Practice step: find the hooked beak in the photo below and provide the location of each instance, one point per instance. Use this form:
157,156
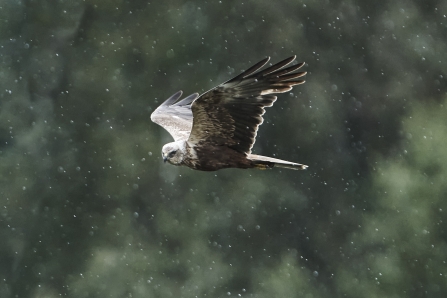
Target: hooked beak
165,158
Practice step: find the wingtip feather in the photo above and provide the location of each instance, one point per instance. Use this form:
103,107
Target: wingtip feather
187,100
172,99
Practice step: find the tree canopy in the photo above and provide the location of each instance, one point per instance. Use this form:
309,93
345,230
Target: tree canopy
88,209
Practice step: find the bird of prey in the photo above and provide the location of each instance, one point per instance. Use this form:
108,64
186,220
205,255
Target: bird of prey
217,129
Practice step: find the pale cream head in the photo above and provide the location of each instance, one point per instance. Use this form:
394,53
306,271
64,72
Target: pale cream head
174,152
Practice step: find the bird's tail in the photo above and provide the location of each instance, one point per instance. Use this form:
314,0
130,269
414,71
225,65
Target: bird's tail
264,162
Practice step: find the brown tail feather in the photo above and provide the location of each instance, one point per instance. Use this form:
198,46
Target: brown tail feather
264,162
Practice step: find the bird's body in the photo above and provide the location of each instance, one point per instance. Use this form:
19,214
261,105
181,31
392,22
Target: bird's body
217,130
214,157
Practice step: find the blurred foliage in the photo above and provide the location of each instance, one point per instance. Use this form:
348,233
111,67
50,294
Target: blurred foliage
88,209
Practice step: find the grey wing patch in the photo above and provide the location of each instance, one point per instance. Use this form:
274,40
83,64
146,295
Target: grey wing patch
231,113
175,115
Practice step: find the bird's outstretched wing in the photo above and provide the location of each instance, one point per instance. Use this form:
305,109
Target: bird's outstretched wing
231,113
175,116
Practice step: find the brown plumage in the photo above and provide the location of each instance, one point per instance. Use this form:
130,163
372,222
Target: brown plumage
218,129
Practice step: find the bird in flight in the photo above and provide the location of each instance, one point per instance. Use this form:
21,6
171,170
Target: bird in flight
217,129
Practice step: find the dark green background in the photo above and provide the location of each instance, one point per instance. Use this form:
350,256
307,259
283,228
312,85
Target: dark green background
88,209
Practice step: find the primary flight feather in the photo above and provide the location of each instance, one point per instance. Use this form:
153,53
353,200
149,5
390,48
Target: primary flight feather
217,129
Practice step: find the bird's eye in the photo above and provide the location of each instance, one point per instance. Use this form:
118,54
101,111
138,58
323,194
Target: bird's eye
172,153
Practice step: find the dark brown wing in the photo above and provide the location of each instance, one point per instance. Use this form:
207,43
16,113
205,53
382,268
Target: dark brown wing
175,116
231,113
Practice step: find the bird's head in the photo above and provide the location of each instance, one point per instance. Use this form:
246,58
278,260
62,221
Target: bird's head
173,152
